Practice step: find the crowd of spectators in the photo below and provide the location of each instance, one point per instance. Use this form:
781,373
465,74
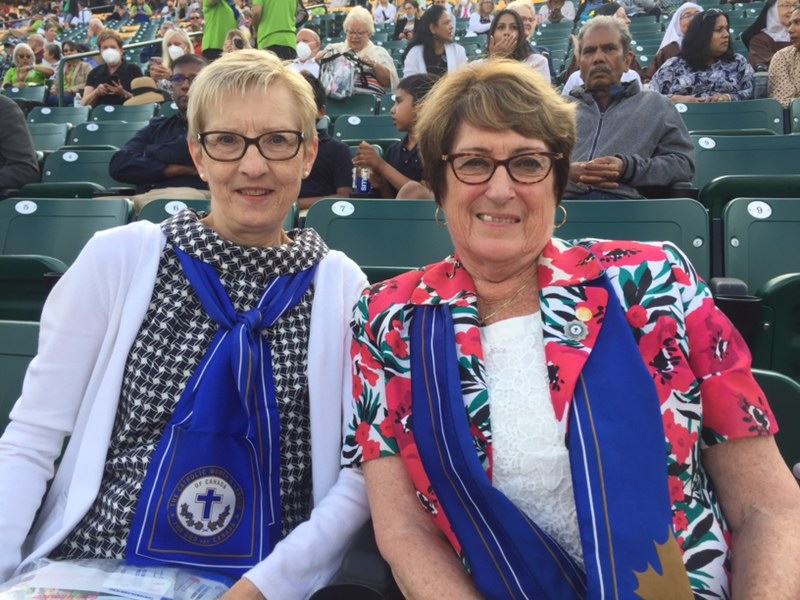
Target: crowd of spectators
695,62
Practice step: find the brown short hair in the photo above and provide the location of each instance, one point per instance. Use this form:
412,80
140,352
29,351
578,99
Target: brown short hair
498,96
109,34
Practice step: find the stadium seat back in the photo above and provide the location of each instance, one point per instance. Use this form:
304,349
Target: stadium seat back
18,343
57,228
25,282
761,239
111,133
764,113
783,395
80,164
744,155
776,343
72,115
385,237
109,112
48,137
682,221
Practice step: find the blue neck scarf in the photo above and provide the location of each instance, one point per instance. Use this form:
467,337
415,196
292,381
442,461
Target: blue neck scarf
617,457
211,495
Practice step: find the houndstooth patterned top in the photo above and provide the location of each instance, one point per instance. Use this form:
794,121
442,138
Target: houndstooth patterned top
171,343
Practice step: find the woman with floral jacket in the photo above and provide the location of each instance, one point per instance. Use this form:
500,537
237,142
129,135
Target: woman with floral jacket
541,419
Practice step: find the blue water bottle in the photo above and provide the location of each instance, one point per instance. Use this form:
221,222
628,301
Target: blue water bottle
363,185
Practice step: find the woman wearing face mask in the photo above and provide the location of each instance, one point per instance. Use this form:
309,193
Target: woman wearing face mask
110,83
176,43
406,24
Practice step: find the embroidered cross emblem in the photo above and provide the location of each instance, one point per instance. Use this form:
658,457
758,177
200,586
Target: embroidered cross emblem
208,502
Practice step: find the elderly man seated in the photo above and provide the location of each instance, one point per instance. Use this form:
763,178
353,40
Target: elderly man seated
628,140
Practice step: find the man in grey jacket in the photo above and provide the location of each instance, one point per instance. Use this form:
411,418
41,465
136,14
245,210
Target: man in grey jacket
628,140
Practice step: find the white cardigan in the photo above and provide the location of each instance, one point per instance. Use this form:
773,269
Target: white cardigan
415,61
72,387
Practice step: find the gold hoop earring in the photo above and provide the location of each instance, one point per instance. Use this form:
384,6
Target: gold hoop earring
441,223
564,219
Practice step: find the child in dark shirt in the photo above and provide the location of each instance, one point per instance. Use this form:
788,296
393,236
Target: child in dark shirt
400,164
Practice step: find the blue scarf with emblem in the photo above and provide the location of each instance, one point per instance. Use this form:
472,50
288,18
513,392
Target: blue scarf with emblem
619,474
211,495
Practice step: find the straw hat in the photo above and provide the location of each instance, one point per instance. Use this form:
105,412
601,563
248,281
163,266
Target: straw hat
145,92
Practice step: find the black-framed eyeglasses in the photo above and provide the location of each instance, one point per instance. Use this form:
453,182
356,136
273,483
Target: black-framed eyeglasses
528,167
178,79
226,146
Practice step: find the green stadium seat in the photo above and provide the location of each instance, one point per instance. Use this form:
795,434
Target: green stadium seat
682,221
360,104
100,133
28,97
776,340
48,137
783,395
25,282
721,190
794,115
57,227
108,112
764,113
77,189
744,155
80,165
19,341
167,109
386,103
385,237
761,239
163,208
72,115
349,128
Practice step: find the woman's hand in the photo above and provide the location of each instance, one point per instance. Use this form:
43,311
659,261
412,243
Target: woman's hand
677,98
502,45
159,71
115,89
243,590
367,157
720,98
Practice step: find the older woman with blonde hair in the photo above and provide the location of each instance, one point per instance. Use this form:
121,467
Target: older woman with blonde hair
375,70
165,372
176,43
542,418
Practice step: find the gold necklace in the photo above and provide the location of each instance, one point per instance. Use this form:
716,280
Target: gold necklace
504,304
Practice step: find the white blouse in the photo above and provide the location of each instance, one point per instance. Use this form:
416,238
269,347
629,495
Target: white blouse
531,462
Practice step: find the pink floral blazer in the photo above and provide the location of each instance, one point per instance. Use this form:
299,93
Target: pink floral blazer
698,361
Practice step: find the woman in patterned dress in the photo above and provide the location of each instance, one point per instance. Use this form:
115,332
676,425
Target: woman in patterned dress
506,397
706,70
132,321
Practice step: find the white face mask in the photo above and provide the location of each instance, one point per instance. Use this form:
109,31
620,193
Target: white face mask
175,52
303,51
111,56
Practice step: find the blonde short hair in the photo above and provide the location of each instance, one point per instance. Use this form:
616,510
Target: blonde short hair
173,33
238,73
499,95
360,15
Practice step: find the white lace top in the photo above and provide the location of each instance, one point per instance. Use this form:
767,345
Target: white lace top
531,462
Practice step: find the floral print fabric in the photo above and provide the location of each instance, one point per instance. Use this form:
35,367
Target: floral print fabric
734,78
698,361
